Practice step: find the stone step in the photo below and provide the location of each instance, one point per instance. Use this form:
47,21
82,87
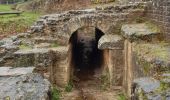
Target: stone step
10,71
36,57
38,40
50,40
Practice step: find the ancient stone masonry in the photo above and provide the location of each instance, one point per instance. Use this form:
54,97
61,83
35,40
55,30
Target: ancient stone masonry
21,83
159,12
145,65
64,24
105,47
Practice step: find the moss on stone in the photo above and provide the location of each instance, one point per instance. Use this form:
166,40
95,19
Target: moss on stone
24,46
54,45
153,27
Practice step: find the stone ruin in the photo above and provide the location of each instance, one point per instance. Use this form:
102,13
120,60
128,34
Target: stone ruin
76,45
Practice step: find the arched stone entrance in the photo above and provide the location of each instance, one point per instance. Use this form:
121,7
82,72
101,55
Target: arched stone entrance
86,60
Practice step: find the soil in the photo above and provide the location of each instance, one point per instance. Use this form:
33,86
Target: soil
90,88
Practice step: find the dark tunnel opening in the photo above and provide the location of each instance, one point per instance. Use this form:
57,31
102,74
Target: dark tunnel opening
86,58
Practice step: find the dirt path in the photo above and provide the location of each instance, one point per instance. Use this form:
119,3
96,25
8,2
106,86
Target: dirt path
92,90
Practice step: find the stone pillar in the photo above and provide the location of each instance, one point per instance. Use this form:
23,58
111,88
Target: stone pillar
128,70
117,61
59,68
114,57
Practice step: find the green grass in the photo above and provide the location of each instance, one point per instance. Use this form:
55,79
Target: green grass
24,46
54,45
11,24
56,94
69,87
122,97
4,8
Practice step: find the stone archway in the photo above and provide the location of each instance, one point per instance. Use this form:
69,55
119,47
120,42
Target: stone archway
85,57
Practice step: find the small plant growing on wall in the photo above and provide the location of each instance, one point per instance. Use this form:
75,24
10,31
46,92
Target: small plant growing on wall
122,97
105,83
69,87
55,94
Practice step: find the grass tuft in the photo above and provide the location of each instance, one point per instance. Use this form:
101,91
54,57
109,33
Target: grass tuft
69,87
56,94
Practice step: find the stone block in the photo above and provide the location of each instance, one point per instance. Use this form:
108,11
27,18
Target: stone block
147,88
9,71
24,87
134,32
59,68
110,42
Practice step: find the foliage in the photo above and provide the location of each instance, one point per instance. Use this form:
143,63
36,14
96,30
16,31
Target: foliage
11,1
105,82
69,87
54,45
164,86
24,46
5,8
56,94
122,97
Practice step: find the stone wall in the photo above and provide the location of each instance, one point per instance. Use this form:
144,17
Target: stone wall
59,68
159,12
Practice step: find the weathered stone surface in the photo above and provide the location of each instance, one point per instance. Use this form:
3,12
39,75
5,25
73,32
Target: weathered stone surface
38,40
62,25
31,57
147,88
43,45
147,84
10,45
166,77
13,40
111,42
59,68
35,57
139,31
24,87
9,71
117,62
6,54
